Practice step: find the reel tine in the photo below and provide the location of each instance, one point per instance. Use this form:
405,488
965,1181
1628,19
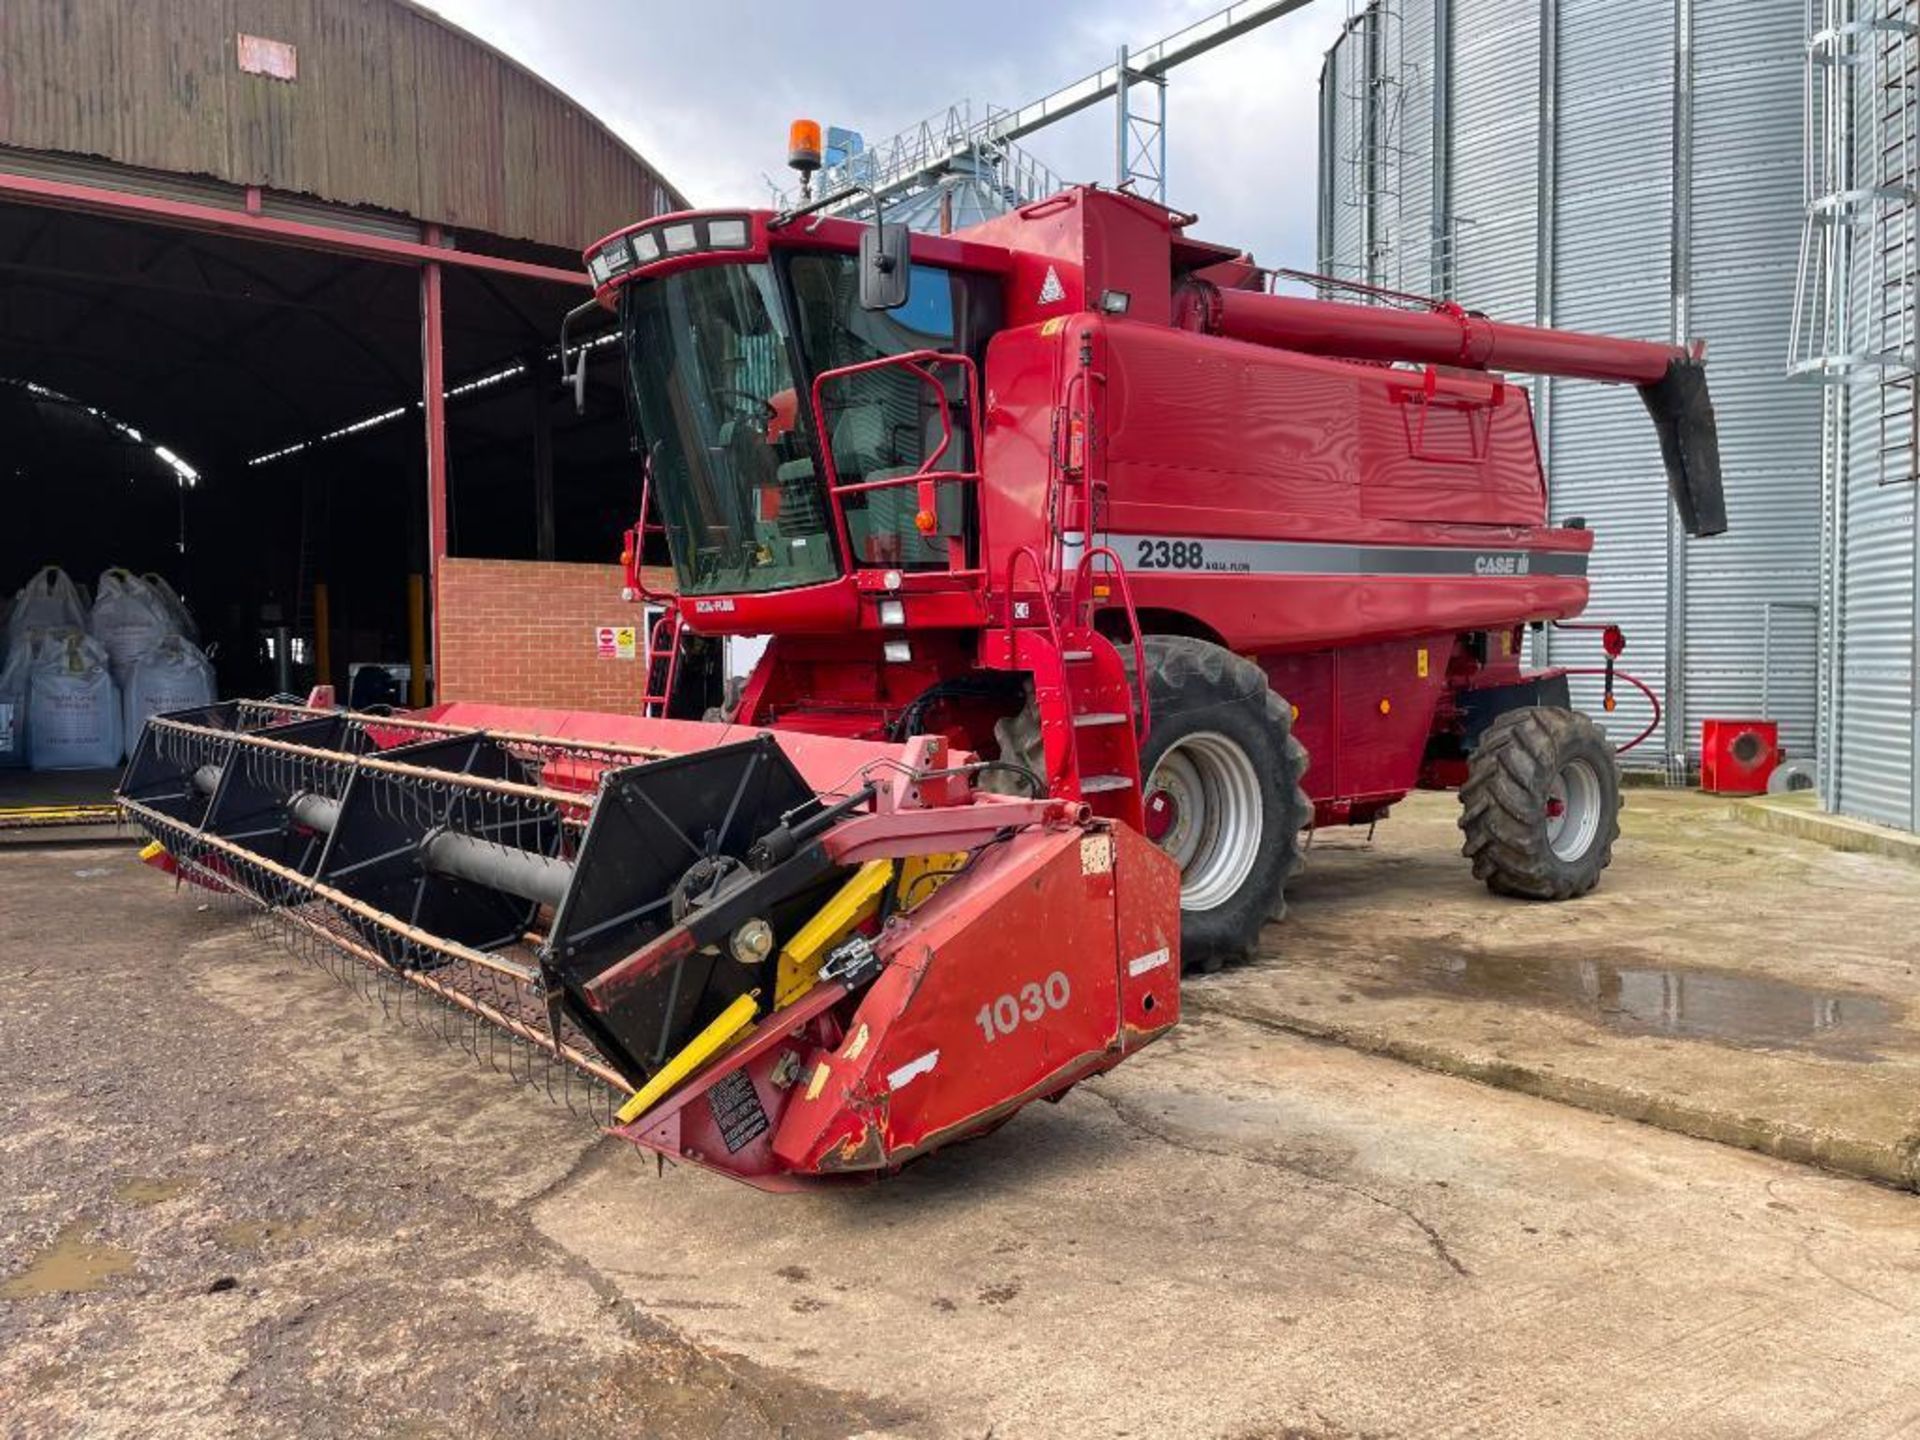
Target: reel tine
268,878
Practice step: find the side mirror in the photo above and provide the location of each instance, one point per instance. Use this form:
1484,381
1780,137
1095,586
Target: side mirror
576,373
885,271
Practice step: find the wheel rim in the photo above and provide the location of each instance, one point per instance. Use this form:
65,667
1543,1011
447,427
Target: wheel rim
1208,790
1573,810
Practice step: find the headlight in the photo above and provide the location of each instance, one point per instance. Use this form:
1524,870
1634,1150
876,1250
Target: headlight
643,247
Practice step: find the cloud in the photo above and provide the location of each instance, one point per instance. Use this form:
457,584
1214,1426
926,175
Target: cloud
705,91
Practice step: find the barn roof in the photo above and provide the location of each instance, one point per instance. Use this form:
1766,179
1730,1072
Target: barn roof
376,103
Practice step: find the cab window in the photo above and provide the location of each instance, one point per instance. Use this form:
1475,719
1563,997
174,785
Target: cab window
884,424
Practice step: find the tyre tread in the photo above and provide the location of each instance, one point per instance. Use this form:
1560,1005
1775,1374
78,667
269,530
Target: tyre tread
1210,675
1503,804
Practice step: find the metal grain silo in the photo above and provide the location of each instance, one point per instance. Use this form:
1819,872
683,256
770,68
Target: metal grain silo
1631,167
1854,329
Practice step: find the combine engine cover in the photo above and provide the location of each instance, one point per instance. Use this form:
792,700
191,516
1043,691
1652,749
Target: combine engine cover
776,956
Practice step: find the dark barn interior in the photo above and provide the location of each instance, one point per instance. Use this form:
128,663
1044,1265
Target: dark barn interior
289,381
281,284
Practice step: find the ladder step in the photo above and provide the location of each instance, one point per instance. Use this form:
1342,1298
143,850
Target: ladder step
1101,717
1099,784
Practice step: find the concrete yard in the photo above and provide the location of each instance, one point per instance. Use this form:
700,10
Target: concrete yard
236,1201
1723,981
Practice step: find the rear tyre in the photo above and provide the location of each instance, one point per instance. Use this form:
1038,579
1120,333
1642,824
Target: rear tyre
1541,806
1222,793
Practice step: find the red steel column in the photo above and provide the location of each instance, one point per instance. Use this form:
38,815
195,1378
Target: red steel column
433,379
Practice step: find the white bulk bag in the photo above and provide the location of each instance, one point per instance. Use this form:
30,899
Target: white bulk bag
174,675
73,709
183,622
129,619
14,687
49,601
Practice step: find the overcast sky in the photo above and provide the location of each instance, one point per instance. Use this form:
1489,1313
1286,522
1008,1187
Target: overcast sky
705,88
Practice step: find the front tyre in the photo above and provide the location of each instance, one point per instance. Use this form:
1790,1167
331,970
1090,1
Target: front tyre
1223,794
1541,806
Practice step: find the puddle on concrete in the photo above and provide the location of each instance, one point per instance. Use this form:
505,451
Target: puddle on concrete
71,1265
144,1190
1623,992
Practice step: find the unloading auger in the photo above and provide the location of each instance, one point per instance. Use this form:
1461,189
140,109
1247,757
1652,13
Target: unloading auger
785,956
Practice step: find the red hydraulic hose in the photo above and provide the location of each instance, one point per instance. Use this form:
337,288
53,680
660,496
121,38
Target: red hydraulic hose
1638,684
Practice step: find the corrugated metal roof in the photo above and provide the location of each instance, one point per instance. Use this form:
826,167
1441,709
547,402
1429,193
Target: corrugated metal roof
391,107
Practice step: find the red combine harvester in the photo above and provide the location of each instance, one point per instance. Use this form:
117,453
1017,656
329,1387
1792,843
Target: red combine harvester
1072,490
1073,545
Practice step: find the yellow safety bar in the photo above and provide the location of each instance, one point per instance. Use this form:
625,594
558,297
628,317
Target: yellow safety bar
725,1028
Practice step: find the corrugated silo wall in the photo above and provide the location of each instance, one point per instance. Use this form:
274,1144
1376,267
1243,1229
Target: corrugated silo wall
1584,93
1877,718
1408,261
1876,771
1610,274
1760,579
1343,239
1493,154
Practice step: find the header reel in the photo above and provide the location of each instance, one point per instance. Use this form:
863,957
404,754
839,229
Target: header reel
680,912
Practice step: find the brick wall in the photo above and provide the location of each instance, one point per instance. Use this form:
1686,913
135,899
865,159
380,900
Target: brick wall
520,632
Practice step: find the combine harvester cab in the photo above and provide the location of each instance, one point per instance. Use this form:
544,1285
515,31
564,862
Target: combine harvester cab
778,957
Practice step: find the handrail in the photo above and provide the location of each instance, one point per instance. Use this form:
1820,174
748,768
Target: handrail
917,363
860,487
1068,476
633,558
1046,595
1143,714
652,706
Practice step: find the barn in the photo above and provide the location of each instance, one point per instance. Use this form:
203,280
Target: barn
281,283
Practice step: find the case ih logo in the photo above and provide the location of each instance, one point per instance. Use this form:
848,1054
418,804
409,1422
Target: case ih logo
1501,564
712,607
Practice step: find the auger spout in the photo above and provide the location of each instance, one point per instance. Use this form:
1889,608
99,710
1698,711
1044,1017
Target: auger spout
1671,379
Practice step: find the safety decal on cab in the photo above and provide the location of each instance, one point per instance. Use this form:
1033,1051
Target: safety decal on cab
1051,290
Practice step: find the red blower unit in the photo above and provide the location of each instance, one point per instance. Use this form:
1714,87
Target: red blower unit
1737,756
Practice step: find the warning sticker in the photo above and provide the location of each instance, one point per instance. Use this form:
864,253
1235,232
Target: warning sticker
737,1111
616,642
1096,854
1051,290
